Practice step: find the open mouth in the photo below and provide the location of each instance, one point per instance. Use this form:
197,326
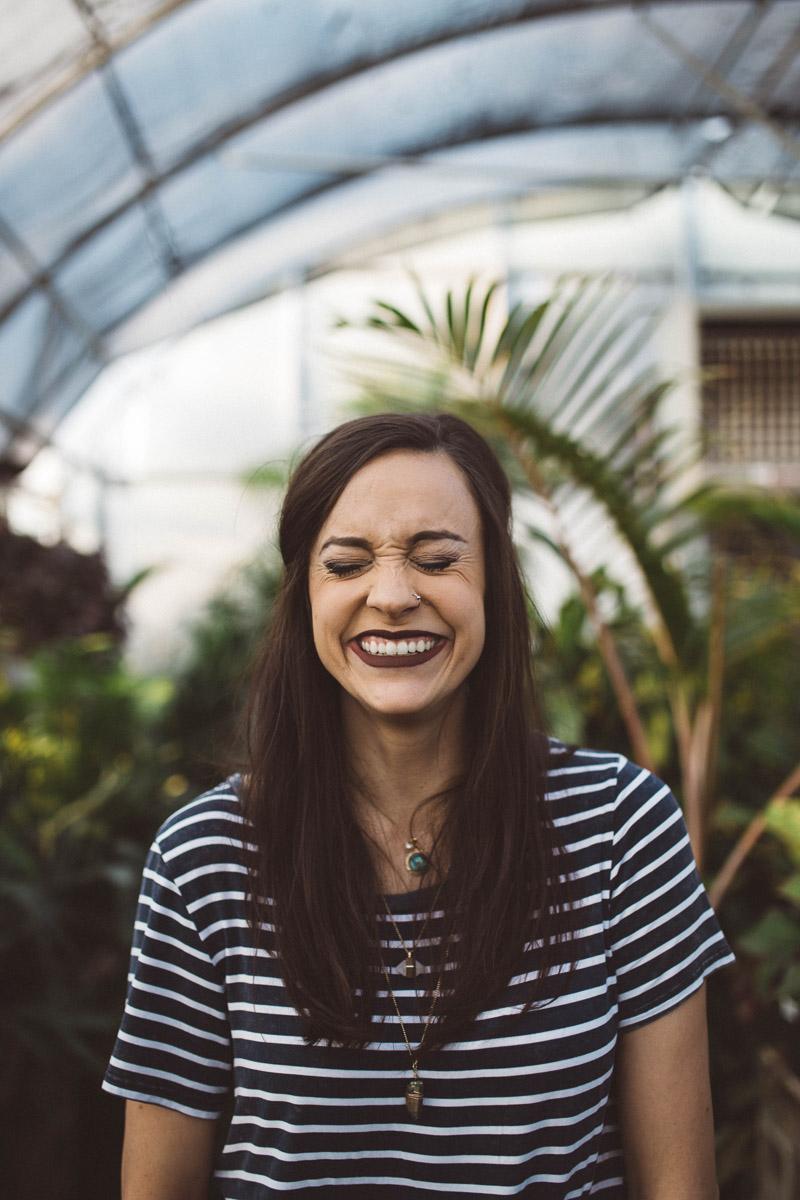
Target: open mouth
410,649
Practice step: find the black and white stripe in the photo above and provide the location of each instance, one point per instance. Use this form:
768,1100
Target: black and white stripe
522,1106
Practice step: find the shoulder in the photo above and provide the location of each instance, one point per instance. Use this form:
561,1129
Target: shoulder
580,782
604,787
207,831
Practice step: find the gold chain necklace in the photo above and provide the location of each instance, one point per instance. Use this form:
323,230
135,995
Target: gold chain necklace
414,1089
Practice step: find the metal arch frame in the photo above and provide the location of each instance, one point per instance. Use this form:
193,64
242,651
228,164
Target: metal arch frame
42,279
717,83
712,76
90,61
531,13
734,48
154,216
24,427
94,340
770,79
108,47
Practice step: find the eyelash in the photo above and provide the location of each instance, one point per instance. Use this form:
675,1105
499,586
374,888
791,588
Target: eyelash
345,570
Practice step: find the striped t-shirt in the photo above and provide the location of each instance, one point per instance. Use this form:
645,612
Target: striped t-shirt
522,1106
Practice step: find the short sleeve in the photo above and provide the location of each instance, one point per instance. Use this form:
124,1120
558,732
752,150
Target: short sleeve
664,936
173,1044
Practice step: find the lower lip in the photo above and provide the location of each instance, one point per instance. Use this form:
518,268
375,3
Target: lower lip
397,660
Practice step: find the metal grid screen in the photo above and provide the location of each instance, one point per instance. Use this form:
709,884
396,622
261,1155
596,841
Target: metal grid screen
751,393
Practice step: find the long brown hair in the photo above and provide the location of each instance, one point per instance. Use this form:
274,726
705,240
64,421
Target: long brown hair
312,860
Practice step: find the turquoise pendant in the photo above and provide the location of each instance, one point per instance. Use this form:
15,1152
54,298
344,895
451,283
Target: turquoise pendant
416,861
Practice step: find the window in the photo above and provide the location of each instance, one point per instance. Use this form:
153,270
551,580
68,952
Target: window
751,391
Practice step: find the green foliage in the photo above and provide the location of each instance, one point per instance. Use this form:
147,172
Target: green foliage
578,700
211,686
751,1005
80,795
92,759
566,393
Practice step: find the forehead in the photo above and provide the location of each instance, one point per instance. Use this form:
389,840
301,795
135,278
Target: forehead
400,493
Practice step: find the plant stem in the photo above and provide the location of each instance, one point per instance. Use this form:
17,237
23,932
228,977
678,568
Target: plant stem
748,839
605,638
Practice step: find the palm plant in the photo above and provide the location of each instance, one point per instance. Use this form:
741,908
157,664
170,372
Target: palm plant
567,392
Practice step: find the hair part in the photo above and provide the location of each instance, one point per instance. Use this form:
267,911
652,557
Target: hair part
312,863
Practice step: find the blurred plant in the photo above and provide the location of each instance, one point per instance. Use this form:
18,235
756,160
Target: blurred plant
567,392
755,1005
210,686
80,793
52,592
92,759
687,673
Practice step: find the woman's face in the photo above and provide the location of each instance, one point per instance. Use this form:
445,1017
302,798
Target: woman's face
405,523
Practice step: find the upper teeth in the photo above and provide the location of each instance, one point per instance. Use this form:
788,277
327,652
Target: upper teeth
415,646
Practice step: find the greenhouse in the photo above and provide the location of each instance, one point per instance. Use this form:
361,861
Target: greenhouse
227,226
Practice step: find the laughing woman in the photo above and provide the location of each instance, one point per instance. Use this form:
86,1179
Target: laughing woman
416,946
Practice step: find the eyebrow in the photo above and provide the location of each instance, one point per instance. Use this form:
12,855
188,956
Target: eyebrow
424,535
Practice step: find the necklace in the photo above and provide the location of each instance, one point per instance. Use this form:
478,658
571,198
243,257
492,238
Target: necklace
414,1089
411,967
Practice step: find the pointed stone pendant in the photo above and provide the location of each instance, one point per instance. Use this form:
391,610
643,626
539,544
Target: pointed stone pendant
410,967
414,1097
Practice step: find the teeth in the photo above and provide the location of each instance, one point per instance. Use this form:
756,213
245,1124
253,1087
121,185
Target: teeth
390,649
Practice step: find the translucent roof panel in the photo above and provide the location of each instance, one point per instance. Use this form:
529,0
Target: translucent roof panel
54,185
163,162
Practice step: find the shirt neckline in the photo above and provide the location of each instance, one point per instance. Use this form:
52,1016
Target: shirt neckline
413,902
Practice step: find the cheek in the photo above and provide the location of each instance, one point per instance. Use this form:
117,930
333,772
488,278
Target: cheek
472,621
318,618
480,633
326,623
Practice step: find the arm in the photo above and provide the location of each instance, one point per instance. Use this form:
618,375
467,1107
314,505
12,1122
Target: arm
665,1106
165,1155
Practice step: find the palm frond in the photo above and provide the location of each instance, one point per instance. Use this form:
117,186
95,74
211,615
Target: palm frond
570,377
473,349
599,479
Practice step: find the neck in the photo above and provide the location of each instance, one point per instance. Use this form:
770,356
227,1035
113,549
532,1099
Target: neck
399,764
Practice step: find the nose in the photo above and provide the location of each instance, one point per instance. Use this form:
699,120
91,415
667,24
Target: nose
391,591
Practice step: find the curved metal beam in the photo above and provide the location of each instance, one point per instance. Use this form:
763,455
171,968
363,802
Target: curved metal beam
529,13
416,156
741,102
96,56
157,223
101,53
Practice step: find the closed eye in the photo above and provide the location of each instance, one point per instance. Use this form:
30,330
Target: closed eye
434,564
342,570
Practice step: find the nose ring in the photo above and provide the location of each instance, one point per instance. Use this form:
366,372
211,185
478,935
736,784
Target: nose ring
416,597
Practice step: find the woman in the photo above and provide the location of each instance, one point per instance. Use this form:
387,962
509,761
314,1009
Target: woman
417,947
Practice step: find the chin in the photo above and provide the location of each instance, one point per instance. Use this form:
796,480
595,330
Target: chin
409,706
